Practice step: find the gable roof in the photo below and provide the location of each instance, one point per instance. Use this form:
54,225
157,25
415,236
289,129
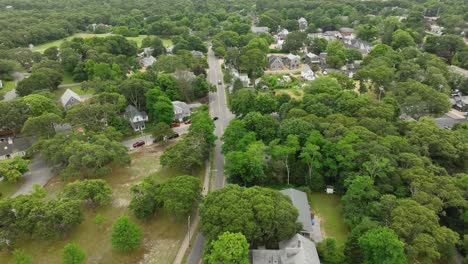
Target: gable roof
302,19
67,95
299,200
9,145
132,112
291,56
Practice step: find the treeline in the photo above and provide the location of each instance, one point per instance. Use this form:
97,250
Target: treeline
391,172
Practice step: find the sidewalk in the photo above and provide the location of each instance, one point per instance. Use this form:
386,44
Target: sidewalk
193,228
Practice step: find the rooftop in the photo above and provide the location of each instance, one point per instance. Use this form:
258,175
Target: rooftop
299,200
67,95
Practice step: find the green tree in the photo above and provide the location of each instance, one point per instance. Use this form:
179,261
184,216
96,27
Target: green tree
73,254
155,43
20,257
134,91
294,41
318,45
402,39
7,68
329,251
367,32
310,154
95,191
12,169
265,103
187,154
234,132
39,104
180,194
145,199
41,126
265,127
252,61
161,131
159,106
229,248
126,235
360,193
247,167
243,102
283,152
381,245
336,56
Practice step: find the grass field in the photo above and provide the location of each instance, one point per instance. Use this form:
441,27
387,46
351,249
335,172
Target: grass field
68,78
328,208
77,89
9,188
162,234
7,86
57,43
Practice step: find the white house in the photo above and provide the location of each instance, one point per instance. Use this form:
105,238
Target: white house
137,119
182,109
70,98
307,74
283,33
302,24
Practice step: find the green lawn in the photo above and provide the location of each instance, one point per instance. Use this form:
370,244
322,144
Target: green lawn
57,43
162,234
9,188
7,86
328,208
68,78
77,89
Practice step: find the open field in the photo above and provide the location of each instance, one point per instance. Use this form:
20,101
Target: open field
7,86
9,188
328,208
77,89
57,43
162,234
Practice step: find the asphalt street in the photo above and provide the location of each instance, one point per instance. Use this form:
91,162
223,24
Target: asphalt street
218,108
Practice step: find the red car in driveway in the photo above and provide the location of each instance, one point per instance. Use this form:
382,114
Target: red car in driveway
139,143
175,124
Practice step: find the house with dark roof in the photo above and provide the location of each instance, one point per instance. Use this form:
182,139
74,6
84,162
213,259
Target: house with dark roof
300,201
292,61
345,31
311,58
182,109
11,147
70,98
136,118
275,63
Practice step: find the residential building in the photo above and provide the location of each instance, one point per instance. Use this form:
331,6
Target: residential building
302,24
70,98
275,63
363,46
297,250
14,146
197,53
258,30
459,102
137,118
307,74
283,33
292,61
311,58
147,61
345,31
182,109
1,84
437,30
323,58
300,201
170,49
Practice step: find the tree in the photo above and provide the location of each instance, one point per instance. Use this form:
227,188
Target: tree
159,106
367,32
39,104
294,41
229,248
402,39
73,254
243,102
381,245
41,126
52,53
247,167
12,169
145,198
42,79
360,193
282,152
20,257
445,46
187,154
134,91
310,154
318,45
336,56
234,132
265,103
161,131
180,194
252,61
126,235
90,116
7,68
329,252
261,215
265,127
155,43
96,191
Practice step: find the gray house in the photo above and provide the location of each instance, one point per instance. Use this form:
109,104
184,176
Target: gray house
69,98
258,30
311,58
11,147
297,250
299,200
302,23
292,61
137,119
275,63
182,109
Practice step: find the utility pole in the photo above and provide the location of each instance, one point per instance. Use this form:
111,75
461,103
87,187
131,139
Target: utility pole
188,227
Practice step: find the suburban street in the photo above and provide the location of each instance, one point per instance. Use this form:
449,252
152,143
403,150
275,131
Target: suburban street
218,108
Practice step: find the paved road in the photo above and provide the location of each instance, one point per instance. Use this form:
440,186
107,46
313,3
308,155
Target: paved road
68,85
38,173
183,129
218,108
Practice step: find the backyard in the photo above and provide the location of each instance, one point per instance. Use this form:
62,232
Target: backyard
162,234
41,48
328,208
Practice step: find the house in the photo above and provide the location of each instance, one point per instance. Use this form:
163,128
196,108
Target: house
279,44
307,74
323,58
182,109
275,63
14,146
311,58
137,119
1,84
292,61
258,30
297,250
302,23
147,51
437,30
197,53
283,33
299,200
459,102
147,61
70,98
448,121
244,78
170,49
345,31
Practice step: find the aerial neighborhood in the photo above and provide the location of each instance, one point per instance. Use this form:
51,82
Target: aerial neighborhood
234,132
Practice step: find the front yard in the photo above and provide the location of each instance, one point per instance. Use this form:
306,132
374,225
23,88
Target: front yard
162,235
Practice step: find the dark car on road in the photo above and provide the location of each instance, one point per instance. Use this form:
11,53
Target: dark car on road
175,135
139,143
215,118
219,82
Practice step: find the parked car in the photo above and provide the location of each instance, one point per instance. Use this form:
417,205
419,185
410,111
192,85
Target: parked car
187,121
215,118
219,82
175,135
139,143
175,124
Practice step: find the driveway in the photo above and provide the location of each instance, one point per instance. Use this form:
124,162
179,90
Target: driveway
183,129
39,173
